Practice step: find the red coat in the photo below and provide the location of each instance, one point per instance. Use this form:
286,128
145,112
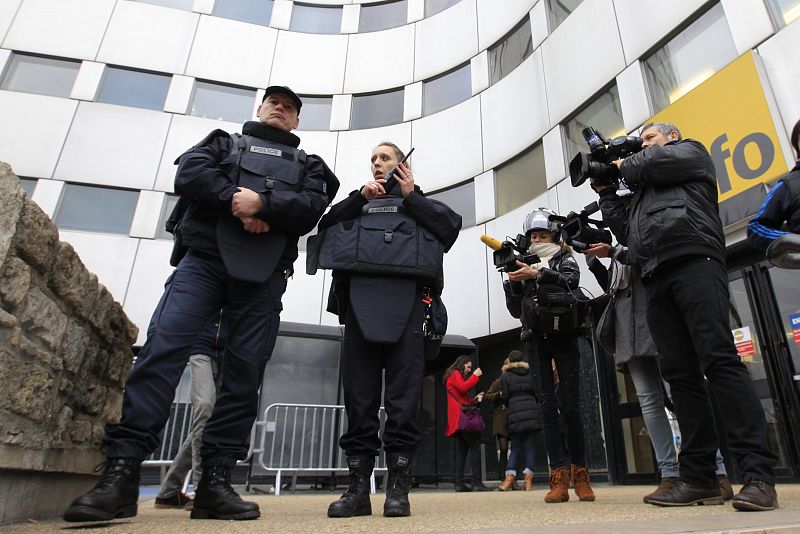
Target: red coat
458,387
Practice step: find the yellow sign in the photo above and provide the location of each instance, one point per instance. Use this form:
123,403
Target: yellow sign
729,114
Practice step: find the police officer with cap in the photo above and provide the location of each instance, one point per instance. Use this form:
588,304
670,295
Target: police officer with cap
251,198
387,267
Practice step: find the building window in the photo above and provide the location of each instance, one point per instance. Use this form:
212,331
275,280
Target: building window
446,90
166,210
375,17
603,114
460,199
185,5
559,10
315,113
28,185
690,58
96,209
511,51
133,88
784,11
520,180
316,19
433,7
252,11
380,109
222,102
40,75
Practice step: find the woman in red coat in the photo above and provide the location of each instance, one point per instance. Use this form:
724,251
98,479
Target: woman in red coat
458,380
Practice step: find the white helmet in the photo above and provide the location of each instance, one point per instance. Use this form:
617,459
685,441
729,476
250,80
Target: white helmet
539,219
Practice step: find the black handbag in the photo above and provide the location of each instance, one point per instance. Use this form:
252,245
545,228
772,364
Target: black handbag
435,326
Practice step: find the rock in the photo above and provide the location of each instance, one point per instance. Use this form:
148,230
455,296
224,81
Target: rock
72,282
43,320
12,198
14,282
37,237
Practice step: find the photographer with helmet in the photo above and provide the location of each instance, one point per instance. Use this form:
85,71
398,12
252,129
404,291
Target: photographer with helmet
676,243
547,338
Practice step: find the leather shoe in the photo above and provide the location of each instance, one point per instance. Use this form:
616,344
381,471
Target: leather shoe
178,500
114,496
756,496
725,487
686,495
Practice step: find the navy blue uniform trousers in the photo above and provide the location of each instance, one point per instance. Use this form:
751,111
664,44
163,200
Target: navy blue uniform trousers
199,287
363,363
687,312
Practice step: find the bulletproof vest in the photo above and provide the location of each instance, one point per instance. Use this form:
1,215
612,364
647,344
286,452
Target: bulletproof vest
263,166
384,240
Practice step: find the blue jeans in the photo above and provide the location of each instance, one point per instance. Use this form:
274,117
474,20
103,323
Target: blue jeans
521,441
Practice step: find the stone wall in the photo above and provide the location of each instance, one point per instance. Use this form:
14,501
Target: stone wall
65,350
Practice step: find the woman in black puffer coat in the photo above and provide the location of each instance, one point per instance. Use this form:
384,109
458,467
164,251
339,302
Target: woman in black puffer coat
518,391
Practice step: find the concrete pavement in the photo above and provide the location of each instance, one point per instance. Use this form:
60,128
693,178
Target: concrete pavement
617,509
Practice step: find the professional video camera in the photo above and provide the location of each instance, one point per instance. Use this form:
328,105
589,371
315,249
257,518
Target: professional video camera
597,165
577,231
509,252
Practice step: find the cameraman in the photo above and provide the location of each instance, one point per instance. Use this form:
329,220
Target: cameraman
676,243
557,267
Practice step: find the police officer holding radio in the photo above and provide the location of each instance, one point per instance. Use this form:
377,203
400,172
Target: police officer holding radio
675,241
549,336
384,243
251,197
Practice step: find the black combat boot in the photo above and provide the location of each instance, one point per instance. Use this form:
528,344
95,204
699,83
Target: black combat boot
114,496
355,501
215,498
397,485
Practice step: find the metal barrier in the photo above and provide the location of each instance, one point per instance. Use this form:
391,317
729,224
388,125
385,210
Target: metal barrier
304,438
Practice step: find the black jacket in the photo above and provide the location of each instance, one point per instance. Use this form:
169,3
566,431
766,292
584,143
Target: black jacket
781,205
206,175
518,391
674,213
563,272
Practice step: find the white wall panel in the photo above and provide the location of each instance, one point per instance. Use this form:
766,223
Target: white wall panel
643,23
110,257
448,146
88,81
340,112
310,63
571,75
147,214
148,37
479,72
150,271
7,11
416,10
633,96
28,147
5,57
203,6
47,194
64,28
184,133
179,94
322,144
113,145
779,58
465,285
281,14
232,51
303,300
539,29
412,102
350,16
485,206
445,40
513,112
749,22
380,60
494,23
355,149
554,166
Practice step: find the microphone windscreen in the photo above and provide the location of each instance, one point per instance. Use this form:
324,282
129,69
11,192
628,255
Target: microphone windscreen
491,242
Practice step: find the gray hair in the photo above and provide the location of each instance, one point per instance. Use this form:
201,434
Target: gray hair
665,128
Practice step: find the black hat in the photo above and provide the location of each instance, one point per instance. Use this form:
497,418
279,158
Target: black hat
282,89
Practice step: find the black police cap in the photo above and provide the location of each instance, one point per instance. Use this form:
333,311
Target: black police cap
282,89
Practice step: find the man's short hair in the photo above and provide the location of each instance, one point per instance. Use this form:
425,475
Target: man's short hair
665,128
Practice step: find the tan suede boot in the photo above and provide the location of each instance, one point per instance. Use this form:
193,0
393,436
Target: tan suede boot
508,483
559,480
580,475
529,482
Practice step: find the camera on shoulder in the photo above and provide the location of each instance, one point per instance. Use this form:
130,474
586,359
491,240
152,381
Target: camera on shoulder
597,165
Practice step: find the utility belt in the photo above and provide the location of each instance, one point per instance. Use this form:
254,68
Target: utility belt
553,309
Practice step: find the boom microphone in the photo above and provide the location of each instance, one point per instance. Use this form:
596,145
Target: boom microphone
491,242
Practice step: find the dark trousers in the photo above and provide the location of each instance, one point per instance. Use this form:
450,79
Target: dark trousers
540,351
363,363
687,312
199,287
468,443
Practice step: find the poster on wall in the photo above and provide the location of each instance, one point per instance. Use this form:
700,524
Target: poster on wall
744,343
794,321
